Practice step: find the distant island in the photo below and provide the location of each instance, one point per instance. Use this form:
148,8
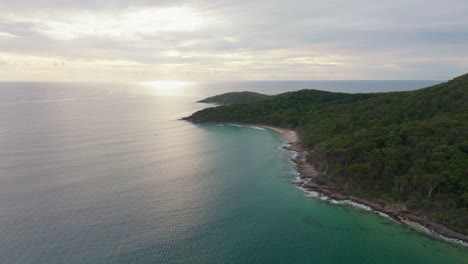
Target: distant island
404,153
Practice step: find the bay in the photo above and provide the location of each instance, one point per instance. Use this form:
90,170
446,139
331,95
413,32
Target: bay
101,173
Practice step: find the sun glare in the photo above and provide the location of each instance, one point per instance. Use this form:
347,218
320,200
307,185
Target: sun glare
128,24
173,88
165,84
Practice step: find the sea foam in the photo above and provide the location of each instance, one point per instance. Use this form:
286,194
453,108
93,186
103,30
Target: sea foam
257,127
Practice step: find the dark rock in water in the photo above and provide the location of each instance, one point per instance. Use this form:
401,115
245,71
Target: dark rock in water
309,221
338,196
320,182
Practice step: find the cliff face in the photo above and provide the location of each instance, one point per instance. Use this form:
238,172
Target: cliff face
411,147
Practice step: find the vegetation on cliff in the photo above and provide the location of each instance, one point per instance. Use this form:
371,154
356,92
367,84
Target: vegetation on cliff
236,98
403,147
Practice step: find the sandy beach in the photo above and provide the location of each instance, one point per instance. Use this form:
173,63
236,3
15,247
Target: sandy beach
291,135
398,212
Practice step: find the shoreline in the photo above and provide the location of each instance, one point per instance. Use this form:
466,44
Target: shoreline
319,190
398,213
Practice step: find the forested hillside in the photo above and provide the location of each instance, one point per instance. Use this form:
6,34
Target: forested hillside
403,147
236,98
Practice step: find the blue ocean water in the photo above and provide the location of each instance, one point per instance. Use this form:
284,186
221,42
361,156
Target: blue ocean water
102,173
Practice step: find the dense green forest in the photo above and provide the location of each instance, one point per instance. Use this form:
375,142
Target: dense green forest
236,98
403,147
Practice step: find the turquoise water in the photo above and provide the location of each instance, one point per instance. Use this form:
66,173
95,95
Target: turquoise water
122,180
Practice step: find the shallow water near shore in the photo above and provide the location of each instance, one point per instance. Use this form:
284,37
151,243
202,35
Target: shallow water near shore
122,180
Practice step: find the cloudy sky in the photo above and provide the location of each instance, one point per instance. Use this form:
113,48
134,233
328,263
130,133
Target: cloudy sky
143,40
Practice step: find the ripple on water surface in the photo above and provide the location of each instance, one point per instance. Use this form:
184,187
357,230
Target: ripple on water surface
117,181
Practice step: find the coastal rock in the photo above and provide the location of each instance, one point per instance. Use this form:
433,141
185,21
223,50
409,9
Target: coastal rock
395,209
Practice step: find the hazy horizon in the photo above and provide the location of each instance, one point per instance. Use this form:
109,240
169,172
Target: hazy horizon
225,132
118,41
21,91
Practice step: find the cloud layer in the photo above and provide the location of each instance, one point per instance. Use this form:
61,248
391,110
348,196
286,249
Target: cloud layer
232,40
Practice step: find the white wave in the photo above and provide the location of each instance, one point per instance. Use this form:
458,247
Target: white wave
354,204
447,239
317,195
383,214
257,127
235,125
436,235
308,193
298,180
312,194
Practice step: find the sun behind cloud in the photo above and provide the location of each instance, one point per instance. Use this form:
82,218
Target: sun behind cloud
130,23
133,41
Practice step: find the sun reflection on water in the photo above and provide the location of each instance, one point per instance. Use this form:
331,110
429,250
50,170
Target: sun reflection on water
166,88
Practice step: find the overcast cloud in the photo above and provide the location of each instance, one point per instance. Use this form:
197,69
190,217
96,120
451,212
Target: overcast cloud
232,40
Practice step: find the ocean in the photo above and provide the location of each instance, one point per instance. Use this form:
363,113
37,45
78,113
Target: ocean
107,173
